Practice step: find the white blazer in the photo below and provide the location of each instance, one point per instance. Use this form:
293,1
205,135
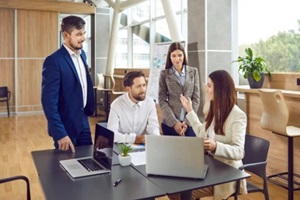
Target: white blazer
230,147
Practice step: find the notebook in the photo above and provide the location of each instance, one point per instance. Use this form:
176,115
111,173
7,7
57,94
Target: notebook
175,156
99,163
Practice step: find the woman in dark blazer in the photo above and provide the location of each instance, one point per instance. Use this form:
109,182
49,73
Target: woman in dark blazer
177,78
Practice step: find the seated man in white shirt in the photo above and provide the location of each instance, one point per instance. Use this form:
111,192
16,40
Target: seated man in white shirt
133,114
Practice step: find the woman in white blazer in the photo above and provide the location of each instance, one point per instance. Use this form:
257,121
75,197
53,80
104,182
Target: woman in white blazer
223,131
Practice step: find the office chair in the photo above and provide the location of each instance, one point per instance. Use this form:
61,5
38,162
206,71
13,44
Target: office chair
255,161
15,178
275,118
113,91
112,79
102,86
4,97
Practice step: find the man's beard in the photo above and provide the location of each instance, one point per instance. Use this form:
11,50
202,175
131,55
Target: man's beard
139,98
76,47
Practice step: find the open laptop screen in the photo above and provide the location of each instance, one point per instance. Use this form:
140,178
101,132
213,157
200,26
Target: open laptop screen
103,146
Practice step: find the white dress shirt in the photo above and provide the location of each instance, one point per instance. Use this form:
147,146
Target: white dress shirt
81,72
128,119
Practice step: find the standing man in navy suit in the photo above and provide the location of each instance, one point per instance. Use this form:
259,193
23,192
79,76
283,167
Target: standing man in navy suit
67,89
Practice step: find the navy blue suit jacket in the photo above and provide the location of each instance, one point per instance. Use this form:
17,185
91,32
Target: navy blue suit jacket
62,95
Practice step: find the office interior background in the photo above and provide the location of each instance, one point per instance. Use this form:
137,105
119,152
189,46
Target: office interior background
215,33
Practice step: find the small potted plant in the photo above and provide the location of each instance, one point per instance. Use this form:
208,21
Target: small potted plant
124,157
253,68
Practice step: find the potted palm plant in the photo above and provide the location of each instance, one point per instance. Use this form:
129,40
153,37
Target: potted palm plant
124,157
253,68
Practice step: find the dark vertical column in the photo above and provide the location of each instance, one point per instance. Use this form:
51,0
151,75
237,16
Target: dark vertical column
209,38
100,39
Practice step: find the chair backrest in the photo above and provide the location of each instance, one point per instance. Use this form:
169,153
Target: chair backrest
275,114
256,150
4,92
100,81
113,82
113,86
15,178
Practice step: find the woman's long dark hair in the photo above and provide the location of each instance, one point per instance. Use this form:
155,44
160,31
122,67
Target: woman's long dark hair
223,102
173,47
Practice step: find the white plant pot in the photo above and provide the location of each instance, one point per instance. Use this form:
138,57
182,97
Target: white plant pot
124,161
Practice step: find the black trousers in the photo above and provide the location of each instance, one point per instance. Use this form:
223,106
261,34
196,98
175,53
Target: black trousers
167,130
84,137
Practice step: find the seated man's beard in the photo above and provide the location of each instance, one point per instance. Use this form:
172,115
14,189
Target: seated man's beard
139,98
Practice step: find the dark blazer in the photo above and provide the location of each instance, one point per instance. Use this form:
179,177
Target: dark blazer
170,90
62,95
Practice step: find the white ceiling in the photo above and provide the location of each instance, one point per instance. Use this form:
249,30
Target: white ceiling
98,3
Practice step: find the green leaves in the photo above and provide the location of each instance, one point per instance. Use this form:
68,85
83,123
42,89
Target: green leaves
252,65
249,53
125,149
256,75
281,51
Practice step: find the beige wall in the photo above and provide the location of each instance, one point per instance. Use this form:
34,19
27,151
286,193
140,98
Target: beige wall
285,81
7,53
36,35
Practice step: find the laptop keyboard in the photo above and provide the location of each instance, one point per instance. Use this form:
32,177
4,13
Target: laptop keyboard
90,164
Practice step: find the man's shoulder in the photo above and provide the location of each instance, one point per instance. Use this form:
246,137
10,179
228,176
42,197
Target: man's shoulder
149,102
149,99
119,100
56,54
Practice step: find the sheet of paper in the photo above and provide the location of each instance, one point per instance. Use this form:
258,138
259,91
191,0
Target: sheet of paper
138,158
137,147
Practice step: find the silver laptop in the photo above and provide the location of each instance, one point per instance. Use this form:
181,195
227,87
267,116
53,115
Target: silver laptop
99,163
175,156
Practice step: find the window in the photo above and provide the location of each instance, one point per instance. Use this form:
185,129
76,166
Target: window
272,31
122,49
140,27
141,12
141,47
162,31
